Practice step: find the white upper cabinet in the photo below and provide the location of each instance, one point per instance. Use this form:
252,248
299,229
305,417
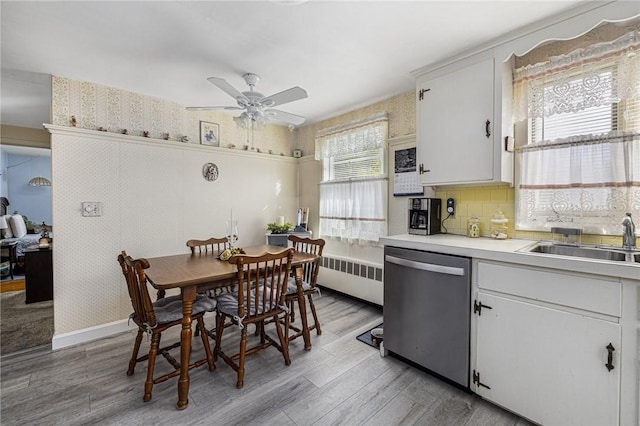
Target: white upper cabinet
459,129
455,125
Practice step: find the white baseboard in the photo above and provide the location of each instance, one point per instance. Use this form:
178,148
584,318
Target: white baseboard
85,335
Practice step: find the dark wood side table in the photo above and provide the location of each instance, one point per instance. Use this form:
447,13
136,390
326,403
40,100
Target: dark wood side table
10,250
38,274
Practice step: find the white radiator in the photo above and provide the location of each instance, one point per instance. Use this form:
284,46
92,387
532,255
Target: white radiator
353,277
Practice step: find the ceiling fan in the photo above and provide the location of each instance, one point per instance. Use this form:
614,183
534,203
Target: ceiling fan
257,107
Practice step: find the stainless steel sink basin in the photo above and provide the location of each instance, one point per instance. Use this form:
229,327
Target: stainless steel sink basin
589,252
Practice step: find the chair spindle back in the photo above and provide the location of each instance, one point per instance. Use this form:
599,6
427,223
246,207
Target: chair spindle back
213,244
262,282
136,278
308,245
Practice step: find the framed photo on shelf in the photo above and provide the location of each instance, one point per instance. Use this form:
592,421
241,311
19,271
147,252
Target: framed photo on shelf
209,133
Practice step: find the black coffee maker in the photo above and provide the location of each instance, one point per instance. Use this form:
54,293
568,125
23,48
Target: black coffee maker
424,216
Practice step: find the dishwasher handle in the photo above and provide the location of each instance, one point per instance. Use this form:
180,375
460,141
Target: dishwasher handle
441,269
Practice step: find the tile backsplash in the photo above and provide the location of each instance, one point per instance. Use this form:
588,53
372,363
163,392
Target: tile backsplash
483,201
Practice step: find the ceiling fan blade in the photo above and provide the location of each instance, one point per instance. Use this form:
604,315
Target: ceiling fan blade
228,89
289,95
287,117
209,108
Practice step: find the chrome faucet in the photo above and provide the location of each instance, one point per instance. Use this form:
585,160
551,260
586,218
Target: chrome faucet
628,232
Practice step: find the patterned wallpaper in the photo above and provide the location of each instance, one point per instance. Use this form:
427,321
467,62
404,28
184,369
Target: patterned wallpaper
95,106
154,198
401,110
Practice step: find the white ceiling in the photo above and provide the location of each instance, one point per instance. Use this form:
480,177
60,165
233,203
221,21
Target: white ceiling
345,54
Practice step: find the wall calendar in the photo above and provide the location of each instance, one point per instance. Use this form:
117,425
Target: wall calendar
405,177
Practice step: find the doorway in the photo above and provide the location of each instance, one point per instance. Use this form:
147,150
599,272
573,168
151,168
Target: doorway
26,321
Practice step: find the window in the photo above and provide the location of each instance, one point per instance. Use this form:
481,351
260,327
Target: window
353,191
580,166
584,116
365,164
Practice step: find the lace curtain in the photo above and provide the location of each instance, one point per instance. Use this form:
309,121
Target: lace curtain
353,202
581,165
354,137
354,212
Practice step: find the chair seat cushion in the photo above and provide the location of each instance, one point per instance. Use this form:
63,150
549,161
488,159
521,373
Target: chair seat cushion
228,303
169,309
215,292
292,288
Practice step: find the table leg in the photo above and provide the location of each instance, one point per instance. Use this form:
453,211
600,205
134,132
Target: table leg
188,297
302,305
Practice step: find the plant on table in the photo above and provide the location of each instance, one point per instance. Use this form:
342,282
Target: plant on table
279,229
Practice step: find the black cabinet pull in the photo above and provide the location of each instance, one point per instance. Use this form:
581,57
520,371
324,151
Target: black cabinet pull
487,129
609,363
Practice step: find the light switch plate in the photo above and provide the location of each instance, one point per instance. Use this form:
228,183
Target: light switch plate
91,208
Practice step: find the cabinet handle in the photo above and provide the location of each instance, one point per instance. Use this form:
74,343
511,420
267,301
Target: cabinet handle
477,307
487,129
422,170
609,363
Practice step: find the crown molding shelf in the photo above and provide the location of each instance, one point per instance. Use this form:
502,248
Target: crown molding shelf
118,137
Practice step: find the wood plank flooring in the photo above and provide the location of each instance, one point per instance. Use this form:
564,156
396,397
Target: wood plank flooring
340,381
12,285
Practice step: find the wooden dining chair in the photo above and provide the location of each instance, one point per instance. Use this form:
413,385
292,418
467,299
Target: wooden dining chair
309,286
153,318
212,244
262,283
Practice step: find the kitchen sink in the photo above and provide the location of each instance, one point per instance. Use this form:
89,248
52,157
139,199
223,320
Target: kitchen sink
589,252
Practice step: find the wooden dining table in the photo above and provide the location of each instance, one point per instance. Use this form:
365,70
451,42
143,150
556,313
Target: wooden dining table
193,273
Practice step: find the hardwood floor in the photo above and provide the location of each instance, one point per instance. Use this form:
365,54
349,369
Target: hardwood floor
340,381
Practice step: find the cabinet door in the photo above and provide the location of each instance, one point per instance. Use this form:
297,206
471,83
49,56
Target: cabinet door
452,140
547,365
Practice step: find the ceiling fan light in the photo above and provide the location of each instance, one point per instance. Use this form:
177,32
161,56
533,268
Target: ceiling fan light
39,181
243,120
258,121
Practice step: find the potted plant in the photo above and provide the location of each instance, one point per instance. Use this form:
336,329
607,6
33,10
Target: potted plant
279,229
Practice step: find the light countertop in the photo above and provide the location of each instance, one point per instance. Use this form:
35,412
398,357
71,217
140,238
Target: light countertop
507,251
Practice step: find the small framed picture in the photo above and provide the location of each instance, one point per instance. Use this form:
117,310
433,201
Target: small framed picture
209,133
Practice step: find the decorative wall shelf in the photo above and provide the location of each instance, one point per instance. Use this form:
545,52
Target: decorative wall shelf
97,134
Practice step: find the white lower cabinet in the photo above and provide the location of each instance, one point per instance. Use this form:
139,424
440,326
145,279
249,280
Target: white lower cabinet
552,364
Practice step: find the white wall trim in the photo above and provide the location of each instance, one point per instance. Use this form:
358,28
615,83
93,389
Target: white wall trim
85,335
111,137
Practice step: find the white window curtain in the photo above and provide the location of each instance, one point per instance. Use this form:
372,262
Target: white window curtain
581,164
353,191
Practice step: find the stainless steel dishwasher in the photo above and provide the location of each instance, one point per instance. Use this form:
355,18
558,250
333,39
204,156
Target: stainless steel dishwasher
427,310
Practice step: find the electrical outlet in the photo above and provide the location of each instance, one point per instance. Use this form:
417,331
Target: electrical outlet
451,206
92,208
